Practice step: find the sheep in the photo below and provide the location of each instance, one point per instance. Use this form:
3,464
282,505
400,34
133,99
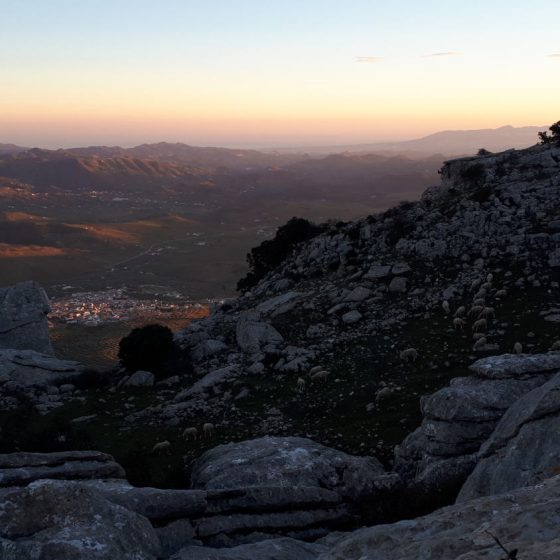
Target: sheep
501,293
475,284
189,433
314,370
487,313
445,307
490,277
480,343
409,355
161,447
300,385
320,376
480,325
475,310
208,429
518,348
461,311
478,335
486,286
479,301
458,323
481,294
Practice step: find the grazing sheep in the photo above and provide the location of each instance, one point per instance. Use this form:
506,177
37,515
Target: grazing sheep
479,301
315,369
445,307
459,324
487,313
475,284
480,325
161,447
481,294
409,355
475,310
490,277
300,385
555,346
518,348
320,376
190,433
461,311
208,429
480,343
501,293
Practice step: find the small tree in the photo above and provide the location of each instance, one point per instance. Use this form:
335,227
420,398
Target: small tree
554,137
146,348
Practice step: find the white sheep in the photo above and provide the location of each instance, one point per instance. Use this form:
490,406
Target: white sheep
461,311
518,348
190,433
475,284
320,375
487,313
475,310
161,447
300,385
480,343
409,355
446,308
481,294
480,325
458,323
208,429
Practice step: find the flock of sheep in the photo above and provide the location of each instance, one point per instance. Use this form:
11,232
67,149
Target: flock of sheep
479,313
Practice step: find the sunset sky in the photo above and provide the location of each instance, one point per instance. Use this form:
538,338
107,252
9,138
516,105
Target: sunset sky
269,72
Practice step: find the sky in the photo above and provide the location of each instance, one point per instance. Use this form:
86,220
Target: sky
270,72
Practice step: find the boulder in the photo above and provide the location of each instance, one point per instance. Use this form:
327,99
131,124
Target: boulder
140,378
28,368
291,461
437,458
351,317
524,449
19,469
252,335
358,294
526,520
398,284
50,520
23,318
272,549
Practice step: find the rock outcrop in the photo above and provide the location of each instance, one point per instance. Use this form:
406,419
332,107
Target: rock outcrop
437,458
524,449
23,318
30,376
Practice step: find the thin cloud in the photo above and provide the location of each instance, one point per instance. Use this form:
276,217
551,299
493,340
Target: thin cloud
369,59
554,55
445,53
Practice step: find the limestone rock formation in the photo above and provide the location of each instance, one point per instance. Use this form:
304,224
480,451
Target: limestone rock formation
524,449
23,318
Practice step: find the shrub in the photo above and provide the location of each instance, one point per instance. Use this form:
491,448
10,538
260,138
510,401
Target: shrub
554,137
474,174
147,347
270,253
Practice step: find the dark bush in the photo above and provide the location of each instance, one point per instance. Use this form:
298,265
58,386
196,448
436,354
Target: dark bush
270,253
147,348
483,152
554,137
